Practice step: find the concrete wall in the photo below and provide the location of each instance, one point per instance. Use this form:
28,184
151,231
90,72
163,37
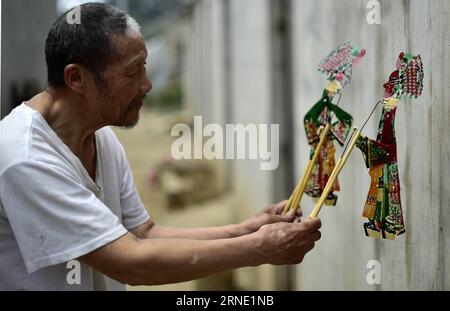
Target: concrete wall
233,67
419,259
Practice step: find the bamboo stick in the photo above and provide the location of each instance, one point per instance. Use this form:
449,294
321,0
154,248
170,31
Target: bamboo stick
337,169
297,195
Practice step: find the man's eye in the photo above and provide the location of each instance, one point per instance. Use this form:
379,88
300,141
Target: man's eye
135,73
138,71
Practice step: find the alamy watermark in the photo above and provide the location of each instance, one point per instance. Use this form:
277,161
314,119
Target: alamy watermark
238,141
73,17
73,277
373,276
374,15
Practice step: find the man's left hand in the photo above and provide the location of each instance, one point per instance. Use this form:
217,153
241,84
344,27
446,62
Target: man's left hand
269,215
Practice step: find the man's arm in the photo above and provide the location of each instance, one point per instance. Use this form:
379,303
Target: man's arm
158,261
151,230
271,214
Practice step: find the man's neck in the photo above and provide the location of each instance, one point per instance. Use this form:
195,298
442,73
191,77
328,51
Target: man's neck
72,125
66,117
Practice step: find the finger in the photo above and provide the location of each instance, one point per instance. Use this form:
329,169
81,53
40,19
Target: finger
298,210
310,248
316,235
313,223
289,216
278,208
297,220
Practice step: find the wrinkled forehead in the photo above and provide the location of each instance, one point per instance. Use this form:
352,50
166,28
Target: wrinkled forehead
129,46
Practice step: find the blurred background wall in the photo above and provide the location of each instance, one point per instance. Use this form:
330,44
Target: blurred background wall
24,28
254,61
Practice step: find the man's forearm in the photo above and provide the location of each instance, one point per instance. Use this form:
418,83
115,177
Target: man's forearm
163,261
208,233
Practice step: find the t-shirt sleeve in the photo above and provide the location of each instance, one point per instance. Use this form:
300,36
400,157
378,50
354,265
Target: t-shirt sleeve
133,210
53,216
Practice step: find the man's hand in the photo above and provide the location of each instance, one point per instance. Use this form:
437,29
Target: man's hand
287,243
271,214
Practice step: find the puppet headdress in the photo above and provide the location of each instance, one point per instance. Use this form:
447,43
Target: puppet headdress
338,64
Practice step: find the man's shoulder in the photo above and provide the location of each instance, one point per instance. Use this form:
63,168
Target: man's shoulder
25,137
15,135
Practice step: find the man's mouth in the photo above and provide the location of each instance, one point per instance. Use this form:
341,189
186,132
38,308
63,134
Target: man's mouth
137,103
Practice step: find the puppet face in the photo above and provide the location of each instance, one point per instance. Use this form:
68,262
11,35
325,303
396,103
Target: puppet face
389,87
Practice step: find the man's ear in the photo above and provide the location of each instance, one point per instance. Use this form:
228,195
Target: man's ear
75,77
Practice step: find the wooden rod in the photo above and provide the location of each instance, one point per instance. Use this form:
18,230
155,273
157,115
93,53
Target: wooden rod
297,195
337,169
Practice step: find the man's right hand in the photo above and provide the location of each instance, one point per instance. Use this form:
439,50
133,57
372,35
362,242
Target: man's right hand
287,243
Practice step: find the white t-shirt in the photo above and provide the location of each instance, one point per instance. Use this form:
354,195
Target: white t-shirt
51,211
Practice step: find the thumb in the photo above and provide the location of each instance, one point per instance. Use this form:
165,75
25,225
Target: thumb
313,223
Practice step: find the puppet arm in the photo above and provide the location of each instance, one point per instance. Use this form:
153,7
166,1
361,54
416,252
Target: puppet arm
374,152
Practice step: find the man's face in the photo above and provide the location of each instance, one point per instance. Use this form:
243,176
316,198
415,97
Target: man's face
125,82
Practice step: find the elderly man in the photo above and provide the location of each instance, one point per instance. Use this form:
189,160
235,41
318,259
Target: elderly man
67,192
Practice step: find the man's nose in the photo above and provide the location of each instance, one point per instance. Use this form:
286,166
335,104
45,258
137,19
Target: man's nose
146,85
